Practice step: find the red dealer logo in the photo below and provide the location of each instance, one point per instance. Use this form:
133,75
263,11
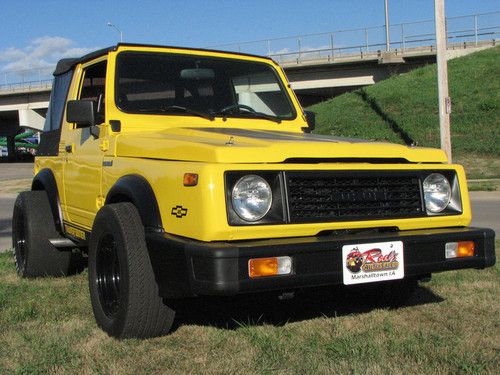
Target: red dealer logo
371,260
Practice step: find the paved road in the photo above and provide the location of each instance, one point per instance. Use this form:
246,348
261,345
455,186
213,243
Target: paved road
6,206
486,210
15,171
10,171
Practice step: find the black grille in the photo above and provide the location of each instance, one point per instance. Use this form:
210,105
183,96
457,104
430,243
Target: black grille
337,196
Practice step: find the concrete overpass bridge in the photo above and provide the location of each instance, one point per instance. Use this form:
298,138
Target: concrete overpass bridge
320,66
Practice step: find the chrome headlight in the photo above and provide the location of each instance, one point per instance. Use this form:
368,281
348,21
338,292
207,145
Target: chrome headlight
437,192
251,197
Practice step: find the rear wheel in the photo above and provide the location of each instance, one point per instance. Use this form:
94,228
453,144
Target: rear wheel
32,226
123,290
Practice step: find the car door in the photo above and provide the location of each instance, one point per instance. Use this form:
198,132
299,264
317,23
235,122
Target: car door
84,154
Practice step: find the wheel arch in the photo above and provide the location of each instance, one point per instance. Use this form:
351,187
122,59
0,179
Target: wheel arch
137,190
45,180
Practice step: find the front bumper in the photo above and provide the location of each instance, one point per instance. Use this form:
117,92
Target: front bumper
185,267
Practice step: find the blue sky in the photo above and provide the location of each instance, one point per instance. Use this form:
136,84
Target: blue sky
37,33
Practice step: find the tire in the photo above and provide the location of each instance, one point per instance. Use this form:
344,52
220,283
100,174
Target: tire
32,226
123,291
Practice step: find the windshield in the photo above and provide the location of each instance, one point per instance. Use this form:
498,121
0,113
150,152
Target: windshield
162,83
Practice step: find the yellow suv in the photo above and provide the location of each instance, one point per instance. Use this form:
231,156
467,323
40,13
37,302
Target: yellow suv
183,172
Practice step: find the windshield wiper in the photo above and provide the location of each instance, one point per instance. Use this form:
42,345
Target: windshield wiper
237,109
263,116
177,108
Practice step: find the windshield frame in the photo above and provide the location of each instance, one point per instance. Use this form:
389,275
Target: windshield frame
279,82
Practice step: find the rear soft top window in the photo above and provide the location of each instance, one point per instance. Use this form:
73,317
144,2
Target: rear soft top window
60,88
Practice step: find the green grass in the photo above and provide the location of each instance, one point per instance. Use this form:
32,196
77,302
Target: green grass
485,185
407,104
452,325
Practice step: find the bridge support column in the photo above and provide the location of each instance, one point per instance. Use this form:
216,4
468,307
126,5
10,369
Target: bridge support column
11,147
31,118
9,127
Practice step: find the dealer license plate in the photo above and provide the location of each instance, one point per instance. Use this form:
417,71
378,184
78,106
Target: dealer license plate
372,262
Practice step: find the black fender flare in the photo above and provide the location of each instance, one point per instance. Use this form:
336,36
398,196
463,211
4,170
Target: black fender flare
45,180
137,190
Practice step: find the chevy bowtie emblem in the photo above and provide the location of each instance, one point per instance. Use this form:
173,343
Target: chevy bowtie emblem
179,211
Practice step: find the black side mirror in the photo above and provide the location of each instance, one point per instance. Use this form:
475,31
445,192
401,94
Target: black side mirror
82,112
311,121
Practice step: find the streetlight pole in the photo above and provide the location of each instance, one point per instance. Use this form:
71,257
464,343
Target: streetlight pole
442,70
387,36
117,29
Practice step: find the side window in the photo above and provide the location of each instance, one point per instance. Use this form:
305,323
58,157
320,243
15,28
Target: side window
93,85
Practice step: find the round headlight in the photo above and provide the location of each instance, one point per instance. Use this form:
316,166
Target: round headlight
437,192
251,197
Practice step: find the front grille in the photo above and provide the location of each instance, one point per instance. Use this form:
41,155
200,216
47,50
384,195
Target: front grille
341,196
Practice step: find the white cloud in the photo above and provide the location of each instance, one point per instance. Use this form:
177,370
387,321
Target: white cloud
282,51
11,54
77,52
42,52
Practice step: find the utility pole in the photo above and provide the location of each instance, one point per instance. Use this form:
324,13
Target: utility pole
442,70
387,36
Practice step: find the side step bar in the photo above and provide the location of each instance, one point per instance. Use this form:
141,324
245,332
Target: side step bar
63,244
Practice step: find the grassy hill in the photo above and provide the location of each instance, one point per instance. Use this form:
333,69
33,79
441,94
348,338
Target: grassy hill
406,106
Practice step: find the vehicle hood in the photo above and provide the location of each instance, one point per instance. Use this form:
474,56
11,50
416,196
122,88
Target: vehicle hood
235,145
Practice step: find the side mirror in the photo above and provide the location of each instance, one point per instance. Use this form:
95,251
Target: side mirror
82,112
311,121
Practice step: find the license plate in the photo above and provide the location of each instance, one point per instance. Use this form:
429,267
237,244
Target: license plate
372,262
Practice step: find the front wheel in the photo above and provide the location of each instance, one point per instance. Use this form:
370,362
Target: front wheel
124,294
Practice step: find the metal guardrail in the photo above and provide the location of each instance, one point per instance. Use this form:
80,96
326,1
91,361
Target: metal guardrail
40,85
469,30
26,79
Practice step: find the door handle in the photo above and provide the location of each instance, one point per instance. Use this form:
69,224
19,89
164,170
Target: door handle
69,148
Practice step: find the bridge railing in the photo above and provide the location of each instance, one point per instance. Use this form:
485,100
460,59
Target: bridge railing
465,30
24,86
462,31
26,79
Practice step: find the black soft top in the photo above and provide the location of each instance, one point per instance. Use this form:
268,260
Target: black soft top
65,65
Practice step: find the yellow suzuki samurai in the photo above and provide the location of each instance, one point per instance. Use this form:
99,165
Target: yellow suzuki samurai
181,172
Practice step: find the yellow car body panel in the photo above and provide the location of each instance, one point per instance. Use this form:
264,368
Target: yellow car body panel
229,145
162,148
206,218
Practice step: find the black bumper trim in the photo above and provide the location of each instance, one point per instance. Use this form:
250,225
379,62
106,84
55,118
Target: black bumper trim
186,267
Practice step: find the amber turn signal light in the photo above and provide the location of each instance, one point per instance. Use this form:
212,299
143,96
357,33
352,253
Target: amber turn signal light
465,249
459,249
190,179
261,267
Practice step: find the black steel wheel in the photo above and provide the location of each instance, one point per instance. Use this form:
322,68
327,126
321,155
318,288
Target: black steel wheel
19,241
123,290
108,275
